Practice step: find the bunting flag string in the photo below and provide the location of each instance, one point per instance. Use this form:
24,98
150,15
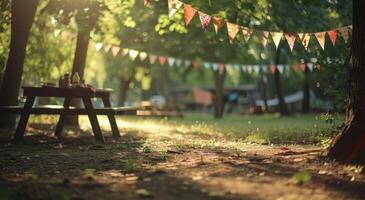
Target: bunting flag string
233,29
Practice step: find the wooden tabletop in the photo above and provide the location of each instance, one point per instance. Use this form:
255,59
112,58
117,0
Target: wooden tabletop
76,92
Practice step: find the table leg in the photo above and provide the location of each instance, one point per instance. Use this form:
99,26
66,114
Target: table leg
20,130
111,117
93,119
61,120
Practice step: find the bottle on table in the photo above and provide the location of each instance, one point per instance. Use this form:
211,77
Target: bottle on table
76,79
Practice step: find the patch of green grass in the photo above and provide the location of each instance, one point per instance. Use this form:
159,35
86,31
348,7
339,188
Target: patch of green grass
130,165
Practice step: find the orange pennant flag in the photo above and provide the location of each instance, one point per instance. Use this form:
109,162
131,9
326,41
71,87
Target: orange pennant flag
218,23
162,60
246,33
263,38
344,31
333,36
273,68
276,37
305,38
232,31
204,20
189,13
321,37
146,2
295,67
290,38
115,50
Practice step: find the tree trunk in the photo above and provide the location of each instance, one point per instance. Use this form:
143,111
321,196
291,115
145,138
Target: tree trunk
123,90
306,92
349,145
283,109
219,94
82,46
21,22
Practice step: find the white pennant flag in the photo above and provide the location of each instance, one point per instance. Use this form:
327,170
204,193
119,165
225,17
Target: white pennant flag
187,63
178,62
142,55
276,37
244,68
215,66
207,65
256,68
107,48
98,46
125,51
171,61
152,58
133,54
280,68
249,69
174,6
310,66
264,68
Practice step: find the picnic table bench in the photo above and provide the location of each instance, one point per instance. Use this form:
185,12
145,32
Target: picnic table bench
86,94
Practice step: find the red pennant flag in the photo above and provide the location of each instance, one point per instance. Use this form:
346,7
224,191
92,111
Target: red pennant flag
333,36
295,68
303,66
318,66
290,38
218,23
204,19
115,50
146,2
221,68
194,64
189,13
162,60
273,68
232,31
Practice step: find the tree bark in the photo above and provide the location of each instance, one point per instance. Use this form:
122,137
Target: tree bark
349,145
23,13
123,90
82,46
283,109
219,78
306,92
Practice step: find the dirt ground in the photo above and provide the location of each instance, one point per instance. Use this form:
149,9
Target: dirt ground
144,165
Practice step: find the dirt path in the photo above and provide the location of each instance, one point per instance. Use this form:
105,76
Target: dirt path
169,166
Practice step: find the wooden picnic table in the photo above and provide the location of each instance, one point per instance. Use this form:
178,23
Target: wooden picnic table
86,94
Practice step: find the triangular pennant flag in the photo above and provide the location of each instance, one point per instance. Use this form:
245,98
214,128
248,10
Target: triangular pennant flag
125,51
115,50
171,61
281,68
207,65
318,66
189,13
146,2
263,38
187,63
256,68
152,58
246,32
142,56
305,38
221,68
178,62
321,37
310,66
174,6
249,69
98,46
107,48
244,68
264,68
290,38
57,32
218,23
232,31
344,31
162,60
333,36
204,20
273,68
194,64
215,66
295,68
133,54
276,37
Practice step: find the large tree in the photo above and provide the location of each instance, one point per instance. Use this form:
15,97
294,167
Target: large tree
349,145
23,13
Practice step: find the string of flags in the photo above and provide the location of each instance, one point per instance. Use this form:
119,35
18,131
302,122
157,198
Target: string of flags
234,29
172,61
